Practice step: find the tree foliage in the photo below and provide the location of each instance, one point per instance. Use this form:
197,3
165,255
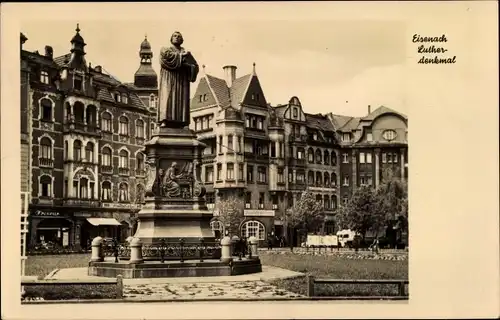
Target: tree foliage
307,213
392,196
230,213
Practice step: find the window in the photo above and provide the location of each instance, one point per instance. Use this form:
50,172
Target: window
77,83
238,144
345,158
84,188
248,200
389,135
334,202
106,157
315,136
219,171
345,200
260,124
89,152
123,130
274,198
318,156
384,158
44,77
262,178
247,121
46,186
281,177
77,150
106,191
300,153
334,158
326,158
45,110
152,101
205,124
66,150
361,157
310,178
395,157
240,172
249,173
200,98
253,229
45,148
217,228
230,143
346,180
295,113
362,180
209,174
369,136
123,159
300,177
369,180
389,157
273,149
106,123
326,202
290,177
230,171
261,200
326,179
369,157
118,97
124,98
139,163
220,144
139,129
310,156
333,179
210,200
196,124
123,192
346,137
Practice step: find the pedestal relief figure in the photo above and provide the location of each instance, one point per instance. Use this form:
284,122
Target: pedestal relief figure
170,186
178,70
150,168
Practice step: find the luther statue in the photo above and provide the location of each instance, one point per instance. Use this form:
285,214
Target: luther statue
178,70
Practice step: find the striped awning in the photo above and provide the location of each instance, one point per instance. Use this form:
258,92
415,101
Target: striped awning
103,221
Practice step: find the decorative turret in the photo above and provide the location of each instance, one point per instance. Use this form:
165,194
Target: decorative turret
77,59
145,76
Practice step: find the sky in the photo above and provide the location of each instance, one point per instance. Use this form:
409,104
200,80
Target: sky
338,66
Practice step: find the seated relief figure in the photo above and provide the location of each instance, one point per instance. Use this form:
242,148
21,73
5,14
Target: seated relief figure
170,182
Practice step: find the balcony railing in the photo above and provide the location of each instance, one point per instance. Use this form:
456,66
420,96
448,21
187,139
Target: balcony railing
76,202
140,172
45,162
82,127
123,171
107,169
297,162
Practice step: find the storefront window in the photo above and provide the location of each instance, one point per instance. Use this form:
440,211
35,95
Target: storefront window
253,229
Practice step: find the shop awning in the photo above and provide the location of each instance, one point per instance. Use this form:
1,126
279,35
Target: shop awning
103,222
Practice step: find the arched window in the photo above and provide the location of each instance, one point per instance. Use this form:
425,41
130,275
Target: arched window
326,202
217,228
123,192
152,101
139,129
139,194
123,130
334,158
106,156
326,158
326,179
84,188
300,153
46,186
253,228
318,156
319,198
334,202
310,178
123,159
333,179
77,150
66,150
106,194
45,110
139,163
106,124
310,155
89,152
319,179
45,148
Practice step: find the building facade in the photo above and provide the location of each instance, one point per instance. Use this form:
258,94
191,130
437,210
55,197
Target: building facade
82,135
83,132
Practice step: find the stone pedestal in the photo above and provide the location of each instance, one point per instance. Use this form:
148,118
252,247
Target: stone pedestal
175,211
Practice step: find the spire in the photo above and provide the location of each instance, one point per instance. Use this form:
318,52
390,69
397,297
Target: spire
145,76
253,71
203,67
77,59
77,28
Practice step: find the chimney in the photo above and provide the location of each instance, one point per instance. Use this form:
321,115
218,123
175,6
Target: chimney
98,69
230,74
49,52
369,109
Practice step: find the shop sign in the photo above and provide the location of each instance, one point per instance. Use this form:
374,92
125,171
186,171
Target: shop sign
82,214
259,213
40,213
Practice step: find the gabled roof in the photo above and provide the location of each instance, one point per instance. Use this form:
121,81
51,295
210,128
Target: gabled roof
63,60
220,90
280,110
238,89
319,122
381,110
38,59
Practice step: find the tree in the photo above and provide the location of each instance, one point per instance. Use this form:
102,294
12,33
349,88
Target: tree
230,214
307,214
362,212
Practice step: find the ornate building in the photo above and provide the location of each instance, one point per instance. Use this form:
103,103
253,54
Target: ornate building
268,155
85,134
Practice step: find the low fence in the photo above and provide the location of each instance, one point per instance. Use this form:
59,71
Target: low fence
400,285
62,289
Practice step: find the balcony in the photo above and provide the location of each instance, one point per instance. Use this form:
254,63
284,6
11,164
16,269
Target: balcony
297,162
107,169
75,202
45,162
297,186
123,171
140,172
80,127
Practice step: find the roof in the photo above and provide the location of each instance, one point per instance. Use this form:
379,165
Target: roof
280,110
319,122
38,59
145,70
220,89
381,110
239,88
63,60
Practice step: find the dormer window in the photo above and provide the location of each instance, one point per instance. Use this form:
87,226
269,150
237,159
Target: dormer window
315,136
369,136
389,135
44,77
346,137
77,83
124,98
118,97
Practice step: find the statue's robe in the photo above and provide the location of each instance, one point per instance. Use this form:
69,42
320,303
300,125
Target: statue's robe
177,72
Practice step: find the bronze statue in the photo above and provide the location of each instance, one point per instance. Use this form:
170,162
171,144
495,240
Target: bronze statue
178,70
